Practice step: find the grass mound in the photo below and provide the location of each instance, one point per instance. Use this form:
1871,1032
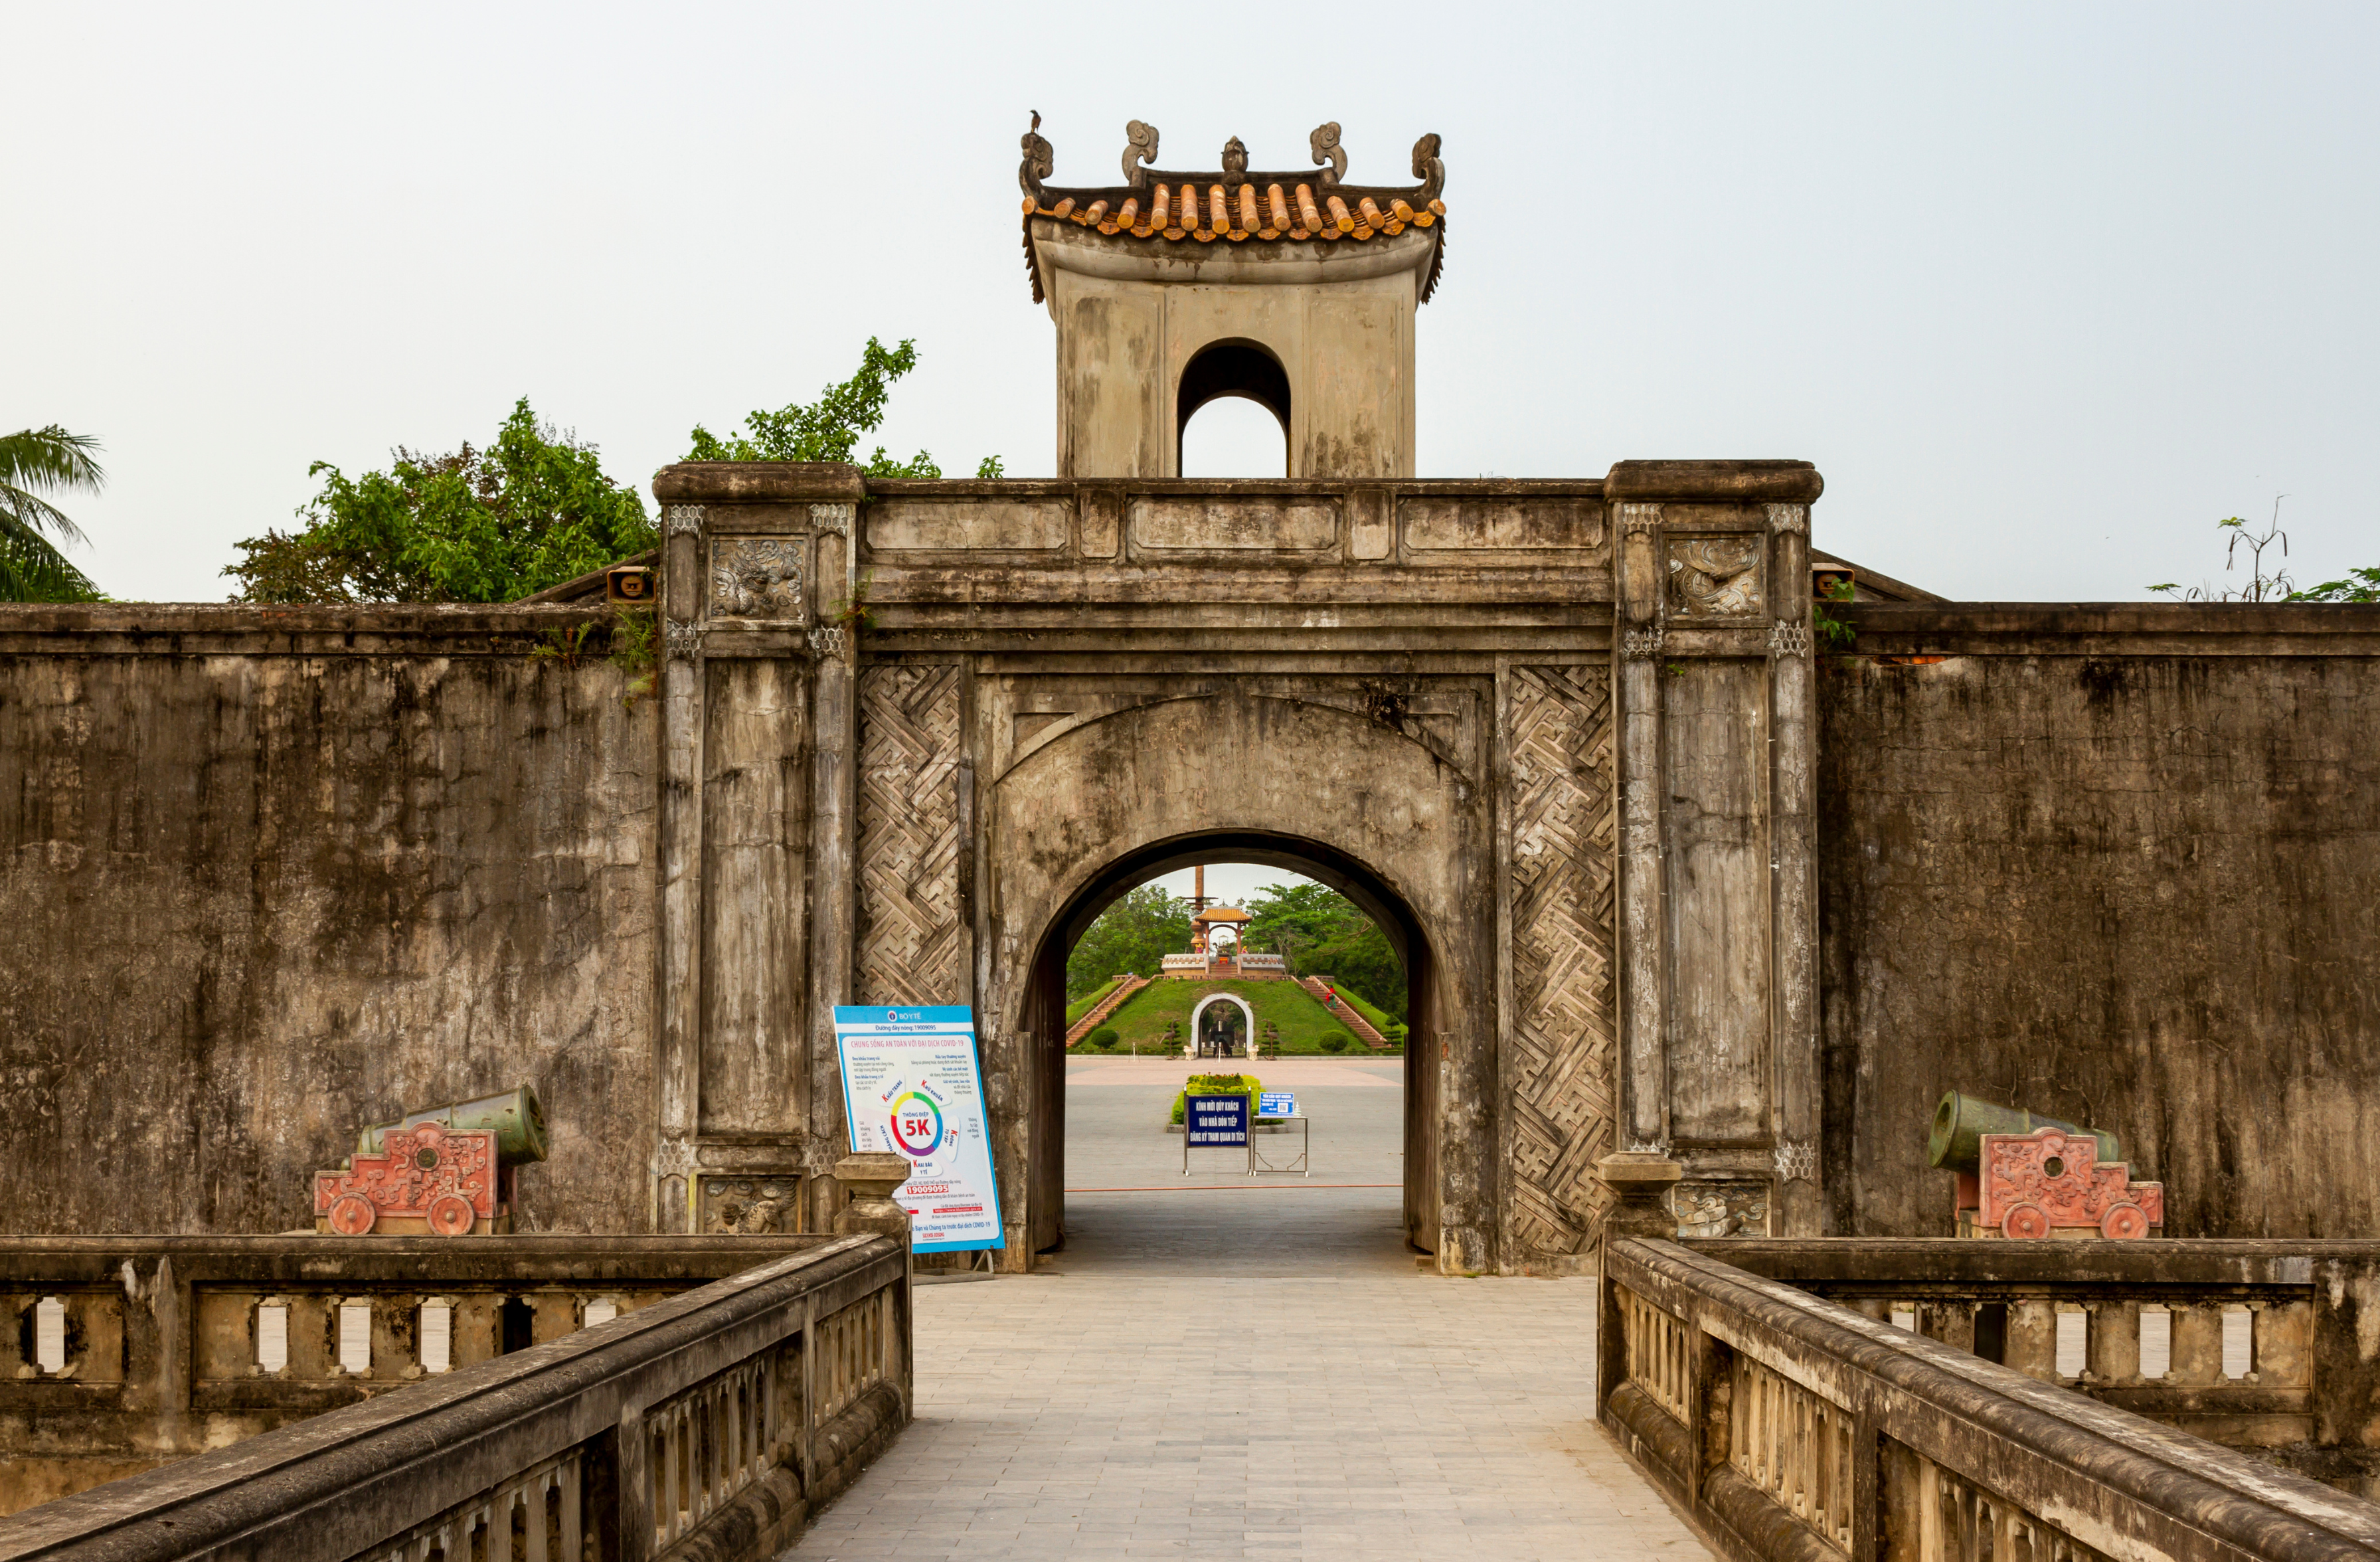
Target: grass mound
1090,1000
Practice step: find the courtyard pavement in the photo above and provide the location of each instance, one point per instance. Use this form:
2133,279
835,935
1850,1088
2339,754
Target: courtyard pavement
1236,1371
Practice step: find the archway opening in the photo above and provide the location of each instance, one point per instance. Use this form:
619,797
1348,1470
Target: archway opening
1227,382
1410,1188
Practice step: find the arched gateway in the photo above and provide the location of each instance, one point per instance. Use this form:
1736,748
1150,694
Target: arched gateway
1554,735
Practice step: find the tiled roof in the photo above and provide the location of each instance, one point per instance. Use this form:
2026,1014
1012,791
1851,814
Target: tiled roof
1234,205
1219,213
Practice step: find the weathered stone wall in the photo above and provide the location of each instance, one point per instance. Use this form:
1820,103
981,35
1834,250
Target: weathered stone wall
271,876
2117,866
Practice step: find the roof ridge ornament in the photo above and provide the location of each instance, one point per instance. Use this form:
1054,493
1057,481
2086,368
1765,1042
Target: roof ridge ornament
1428,169
1325,145
1235,159
1040,161
1140,147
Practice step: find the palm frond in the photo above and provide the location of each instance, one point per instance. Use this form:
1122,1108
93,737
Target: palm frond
51,457
21,509
31,570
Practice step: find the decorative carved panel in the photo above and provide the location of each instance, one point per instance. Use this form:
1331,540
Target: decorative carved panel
1561,1072
1715,577
1721,1208
750,1206
910,950
756,578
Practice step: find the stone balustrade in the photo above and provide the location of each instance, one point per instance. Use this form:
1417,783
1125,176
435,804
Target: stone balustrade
121,1353
1783,1425
2253,1343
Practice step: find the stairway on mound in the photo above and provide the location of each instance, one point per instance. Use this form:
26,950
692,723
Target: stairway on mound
1104,1007
1345,1013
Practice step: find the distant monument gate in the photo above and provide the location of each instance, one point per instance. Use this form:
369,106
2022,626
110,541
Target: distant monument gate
1554,734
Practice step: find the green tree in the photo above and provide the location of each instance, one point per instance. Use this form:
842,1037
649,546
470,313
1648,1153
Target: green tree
531,510
829,428
34,462
1317,931
1133,935
2361,585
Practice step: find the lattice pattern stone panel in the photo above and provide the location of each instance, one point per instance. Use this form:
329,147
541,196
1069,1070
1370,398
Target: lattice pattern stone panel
1563,824
909,946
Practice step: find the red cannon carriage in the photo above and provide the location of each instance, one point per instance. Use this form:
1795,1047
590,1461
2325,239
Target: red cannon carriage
2037,1176
446,1171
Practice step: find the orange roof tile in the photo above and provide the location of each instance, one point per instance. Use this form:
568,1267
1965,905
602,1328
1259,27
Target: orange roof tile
1234,205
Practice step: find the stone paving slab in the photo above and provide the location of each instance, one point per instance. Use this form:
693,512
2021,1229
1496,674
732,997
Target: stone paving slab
1221,1372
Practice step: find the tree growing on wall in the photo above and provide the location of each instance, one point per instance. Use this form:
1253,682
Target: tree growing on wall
35,463
829,428
1133,935
2357,585
1317,931
531,510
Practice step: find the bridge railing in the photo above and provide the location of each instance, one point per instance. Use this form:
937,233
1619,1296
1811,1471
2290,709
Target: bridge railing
707,1424
2250,1343
118,1353
1784,1426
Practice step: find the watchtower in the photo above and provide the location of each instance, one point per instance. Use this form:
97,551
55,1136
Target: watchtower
1296,290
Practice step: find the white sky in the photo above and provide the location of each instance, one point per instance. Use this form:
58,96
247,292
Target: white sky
1234,883
2045,290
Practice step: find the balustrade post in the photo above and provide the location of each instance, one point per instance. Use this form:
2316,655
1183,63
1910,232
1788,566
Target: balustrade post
872,1178
1640,1185
1640,1182
631,1486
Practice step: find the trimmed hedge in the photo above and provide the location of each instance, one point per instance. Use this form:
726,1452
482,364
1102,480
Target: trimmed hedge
1103,1037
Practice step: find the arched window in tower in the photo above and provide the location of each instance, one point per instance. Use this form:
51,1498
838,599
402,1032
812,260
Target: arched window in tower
1228,389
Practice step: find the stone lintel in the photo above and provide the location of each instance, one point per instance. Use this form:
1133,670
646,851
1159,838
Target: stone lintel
1792,483
730,483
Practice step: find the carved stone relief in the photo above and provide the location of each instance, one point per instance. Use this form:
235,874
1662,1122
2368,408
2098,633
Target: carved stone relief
1789,638
756,578
750,1206
910,949
1561,1071
1641,645
1721,1208
680,641
1715,577
684,519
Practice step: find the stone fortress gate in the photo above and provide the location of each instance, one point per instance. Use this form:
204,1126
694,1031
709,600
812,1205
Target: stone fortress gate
275,872
1555,736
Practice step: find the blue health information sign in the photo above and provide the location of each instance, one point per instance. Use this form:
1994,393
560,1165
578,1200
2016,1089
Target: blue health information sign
1272,1106
1215,1120
912,1084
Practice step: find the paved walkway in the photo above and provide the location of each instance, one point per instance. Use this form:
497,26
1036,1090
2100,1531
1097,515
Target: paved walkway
1231,1371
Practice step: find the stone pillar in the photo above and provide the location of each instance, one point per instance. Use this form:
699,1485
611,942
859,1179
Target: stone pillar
1717,923
1640,1184
755,842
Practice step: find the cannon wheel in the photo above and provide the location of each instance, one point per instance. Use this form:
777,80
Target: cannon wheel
2124,1223
451,1214
352,1214
2026,1222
